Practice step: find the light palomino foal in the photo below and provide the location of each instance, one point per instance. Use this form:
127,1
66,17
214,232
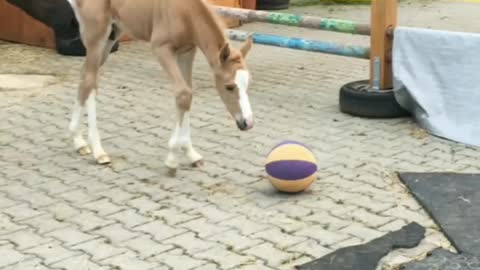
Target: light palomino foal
174,29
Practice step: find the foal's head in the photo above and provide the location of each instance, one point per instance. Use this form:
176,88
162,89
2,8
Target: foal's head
232,79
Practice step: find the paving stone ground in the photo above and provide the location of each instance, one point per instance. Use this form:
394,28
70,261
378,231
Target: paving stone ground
61,211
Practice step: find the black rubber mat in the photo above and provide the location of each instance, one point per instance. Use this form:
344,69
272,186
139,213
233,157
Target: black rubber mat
367,256
441,259
453,201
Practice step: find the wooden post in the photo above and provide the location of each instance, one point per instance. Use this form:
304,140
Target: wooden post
249,4
384,17
229,22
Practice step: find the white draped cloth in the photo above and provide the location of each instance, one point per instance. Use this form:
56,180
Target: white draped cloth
437,78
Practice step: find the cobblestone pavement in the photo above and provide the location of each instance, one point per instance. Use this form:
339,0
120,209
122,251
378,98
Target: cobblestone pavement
61,211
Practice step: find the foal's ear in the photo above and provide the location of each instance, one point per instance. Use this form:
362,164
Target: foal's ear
247,46
224,53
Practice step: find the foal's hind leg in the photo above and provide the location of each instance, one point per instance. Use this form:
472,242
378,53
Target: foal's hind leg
80,145
98,48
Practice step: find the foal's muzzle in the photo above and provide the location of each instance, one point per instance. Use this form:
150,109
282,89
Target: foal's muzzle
244,124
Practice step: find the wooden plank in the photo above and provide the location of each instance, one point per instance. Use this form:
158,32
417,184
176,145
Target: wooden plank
17,26
383,17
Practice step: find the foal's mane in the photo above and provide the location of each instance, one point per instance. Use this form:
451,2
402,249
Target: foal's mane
213,22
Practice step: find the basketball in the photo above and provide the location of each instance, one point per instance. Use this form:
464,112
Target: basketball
291,167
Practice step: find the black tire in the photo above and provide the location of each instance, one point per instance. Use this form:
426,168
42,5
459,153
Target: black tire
68,41
272,4
357,99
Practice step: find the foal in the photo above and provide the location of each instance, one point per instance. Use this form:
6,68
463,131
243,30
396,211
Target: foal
174,30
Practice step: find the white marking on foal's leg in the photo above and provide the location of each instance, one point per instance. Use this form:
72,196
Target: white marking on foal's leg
172,161
186,141
79,143
181,141
93,136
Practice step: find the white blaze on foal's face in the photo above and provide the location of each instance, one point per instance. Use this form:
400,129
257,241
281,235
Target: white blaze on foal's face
235,96
245,117
232,81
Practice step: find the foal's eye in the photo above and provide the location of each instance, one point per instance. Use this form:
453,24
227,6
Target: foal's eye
230,87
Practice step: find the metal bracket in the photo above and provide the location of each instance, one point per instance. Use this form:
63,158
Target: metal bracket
376,73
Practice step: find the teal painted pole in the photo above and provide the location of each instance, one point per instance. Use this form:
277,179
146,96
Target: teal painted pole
301,44
334,25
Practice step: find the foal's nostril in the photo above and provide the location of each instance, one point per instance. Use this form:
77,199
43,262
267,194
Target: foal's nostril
242,124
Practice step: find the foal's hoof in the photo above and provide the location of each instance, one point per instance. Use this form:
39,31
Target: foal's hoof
84,150
198,163
103,160
172,172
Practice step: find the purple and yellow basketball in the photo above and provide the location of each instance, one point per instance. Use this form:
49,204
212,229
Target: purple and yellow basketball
291,166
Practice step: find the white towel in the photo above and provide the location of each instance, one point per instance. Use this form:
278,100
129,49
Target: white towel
437,77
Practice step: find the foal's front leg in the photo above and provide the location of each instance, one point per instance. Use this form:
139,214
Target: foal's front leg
185,63
179,70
